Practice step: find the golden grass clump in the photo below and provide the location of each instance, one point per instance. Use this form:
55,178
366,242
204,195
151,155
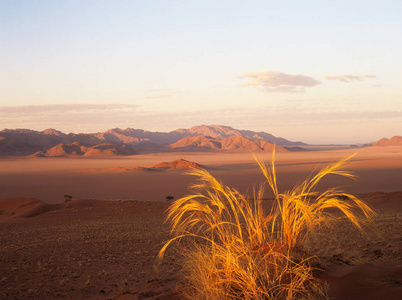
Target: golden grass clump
234,249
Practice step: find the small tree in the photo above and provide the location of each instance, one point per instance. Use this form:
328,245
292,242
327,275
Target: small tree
168,198
67,198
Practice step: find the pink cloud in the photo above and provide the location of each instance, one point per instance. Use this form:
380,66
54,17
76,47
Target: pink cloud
63,108
347,78
274,81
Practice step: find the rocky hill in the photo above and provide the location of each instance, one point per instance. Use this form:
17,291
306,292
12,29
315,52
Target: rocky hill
76,149
394,141
230,144
51,142
222,132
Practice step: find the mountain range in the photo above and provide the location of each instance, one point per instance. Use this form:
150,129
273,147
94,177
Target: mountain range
136,136
394,141
121,142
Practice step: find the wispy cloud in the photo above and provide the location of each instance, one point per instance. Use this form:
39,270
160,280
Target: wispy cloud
66,116
124,115
279,82
64,108
263,117
348,78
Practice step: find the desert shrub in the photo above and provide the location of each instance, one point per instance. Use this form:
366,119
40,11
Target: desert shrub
234,249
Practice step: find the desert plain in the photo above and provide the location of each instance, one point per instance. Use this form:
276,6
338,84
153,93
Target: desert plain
103,244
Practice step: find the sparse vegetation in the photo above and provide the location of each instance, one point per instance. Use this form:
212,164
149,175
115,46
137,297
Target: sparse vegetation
235,248
82,253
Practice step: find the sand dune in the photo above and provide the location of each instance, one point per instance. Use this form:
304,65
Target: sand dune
365,282
22,208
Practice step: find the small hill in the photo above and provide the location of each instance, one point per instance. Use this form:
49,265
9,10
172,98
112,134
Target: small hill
384,142
22,208
179,164
231,144
76,149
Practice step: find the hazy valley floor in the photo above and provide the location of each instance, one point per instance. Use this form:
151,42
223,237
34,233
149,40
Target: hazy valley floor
379,169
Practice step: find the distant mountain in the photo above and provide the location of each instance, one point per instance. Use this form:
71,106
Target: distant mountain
87,140
137,136
196,143
222,132
26,142
230,144
394,141
52,131
51,142
104,150
63,150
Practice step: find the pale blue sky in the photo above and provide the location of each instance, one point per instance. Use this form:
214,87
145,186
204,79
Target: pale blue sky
316,71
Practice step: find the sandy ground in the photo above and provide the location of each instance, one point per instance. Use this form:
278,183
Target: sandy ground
93,249
102,249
